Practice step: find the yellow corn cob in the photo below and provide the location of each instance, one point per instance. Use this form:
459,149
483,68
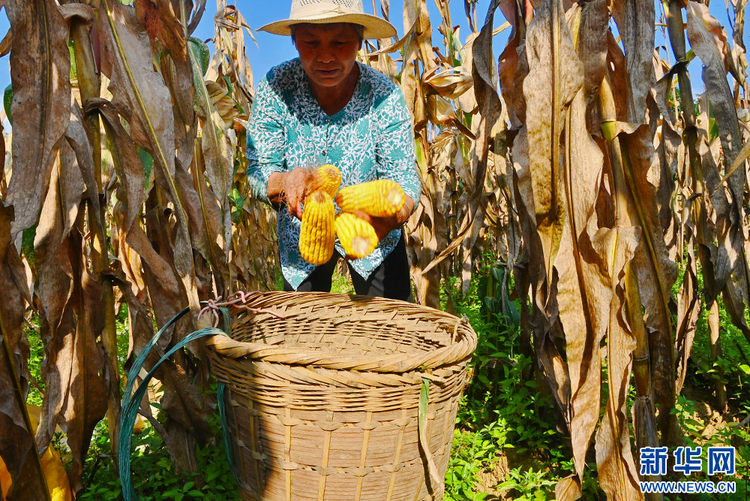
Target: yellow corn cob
379,198
356,235
328,179
58,484
316,237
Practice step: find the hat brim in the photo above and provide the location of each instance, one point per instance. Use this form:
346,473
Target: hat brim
374,26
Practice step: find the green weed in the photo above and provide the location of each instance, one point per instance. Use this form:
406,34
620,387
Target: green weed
503,407
35,364
530,484
153,474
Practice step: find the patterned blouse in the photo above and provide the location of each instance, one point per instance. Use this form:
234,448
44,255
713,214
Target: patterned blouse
371,138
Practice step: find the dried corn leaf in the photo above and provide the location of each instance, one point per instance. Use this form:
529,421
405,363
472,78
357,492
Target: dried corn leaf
591,45
142,98
179,79
205,223
439,109
229,55
410,81
656,272
489,112
17,447
617,65
711,31
718,223
76,374
198,10
635,22
78,140
55,281
533,272
216,146
161,20
40,69
450,84
669,146
13,305
617,473
705,43
513,68
167,27
512,64
86,363
16,443
688,311
555,75
130,194
583,298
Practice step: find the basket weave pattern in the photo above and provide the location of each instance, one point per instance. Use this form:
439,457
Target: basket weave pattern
323,404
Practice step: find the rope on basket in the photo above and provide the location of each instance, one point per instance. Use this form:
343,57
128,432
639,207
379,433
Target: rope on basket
131,404
424,399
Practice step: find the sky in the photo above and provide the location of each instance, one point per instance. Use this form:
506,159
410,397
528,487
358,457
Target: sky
273,49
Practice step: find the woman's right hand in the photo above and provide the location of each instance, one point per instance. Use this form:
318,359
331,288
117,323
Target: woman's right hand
290,188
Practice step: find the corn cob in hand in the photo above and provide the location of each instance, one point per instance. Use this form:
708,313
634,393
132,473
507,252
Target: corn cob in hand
356,235
316,236
328,179
380,198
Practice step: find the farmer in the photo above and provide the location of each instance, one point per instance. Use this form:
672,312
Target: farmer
326,108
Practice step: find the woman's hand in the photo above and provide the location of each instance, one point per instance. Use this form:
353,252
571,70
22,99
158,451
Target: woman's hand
384,225
290,189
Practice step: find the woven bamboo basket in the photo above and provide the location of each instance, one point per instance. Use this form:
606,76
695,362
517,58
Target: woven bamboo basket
323,396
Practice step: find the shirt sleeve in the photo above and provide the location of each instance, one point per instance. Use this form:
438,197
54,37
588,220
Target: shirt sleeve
395,156
265,140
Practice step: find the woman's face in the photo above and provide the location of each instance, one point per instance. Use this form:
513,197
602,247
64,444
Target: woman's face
327,51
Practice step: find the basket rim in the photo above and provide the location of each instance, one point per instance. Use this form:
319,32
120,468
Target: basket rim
460,350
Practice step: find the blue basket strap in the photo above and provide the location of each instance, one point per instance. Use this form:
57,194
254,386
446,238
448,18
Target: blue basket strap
220,390
227,320
141,359
130,404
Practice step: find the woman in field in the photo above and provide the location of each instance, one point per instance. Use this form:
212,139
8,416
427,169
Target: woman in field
326,108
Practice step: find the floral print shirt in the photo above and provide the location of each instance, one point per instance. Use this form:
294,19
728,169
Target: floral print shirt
371,138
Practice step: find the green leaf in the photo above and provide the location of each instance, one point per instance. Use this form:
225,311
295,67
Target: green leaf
424,398
200,50
497,274
7,100
148,166
73,69
235,197
27,245
230,87
212,474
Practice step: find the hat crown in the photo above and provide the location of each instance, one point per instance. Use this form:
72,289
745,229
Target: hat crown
332,11
333,5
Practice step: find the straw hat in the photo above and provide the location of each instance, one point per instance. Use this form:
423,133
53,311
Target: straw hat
332,11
